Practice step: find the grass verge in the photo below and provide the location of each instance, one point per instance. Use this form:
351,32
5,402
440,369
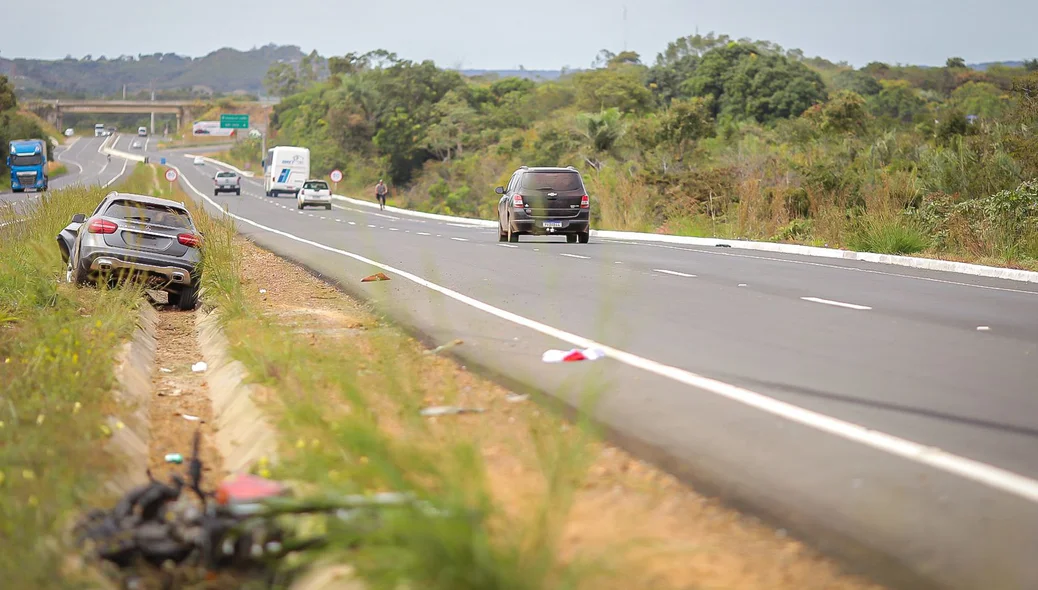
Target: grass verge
57,353
539,502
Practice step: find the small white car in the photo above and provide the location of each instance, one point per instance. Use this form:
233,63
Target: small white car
70,132
136,145
314,192
199,161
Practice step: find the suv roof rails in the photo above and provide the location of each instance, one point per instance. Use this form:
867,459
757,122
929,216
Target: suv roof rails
571,168
524,167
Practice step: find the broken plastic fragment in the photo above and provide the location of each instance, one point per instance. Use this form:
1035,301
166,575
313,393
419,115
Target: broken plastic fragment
448,410
165,370
245,487
174,458
375,277
516,397
262,291
190,417
569,356
199,367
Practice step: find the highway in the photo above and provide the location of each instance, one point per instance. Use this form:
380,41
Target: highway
86,165
777,381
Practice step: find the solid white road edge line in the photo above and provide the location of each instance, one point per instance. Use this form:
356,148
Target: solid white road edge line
836,303
575,256
117,176
994,477
673,272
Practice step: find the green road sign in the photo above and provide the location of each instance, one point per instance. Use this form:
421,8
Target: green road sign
234,121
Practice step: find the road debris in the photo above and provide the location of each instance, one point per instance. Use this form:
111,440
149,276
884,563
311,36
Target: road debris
263,291
449,410
189,417
444,347
174,458
199,367
375,277
572,355
165,370
517,397
174,393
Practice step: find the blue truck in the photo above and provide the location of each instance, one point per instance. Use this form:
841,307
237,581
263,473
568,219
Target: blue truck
27,159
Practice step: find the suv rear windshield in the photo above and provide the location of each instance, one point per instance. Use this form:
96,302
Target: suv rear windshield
29,160
149,213
319,185
225,174
556,181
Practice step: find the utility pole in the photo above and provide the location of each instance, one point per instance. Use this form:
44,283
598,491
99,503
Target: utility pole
124,91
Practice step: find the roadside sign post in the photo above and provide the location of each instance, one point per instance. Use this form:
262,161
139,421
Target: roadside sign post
336,177
171,176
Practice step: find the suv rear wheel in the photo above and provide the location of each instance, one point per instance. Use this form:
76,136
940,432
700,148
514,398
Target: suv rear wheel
584,237
186,299
571,238
513,237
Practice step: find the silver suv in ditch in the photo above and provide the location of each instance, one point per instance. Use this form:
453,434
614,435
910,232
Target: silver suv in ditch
134,236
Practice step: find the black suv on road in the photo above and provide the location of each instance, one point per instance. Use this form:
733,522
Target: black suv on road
544,202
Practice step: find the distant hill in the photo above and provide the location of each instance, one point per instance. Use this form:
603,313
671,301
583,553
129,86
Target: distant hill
222,71
537,75
986,65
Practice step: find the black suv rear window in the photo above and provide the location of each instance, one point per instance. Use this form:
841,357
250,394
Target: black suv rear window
556,181
149,213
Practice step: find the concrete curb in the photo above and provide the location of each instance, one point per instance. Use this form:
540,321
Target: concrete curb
133,392
243,434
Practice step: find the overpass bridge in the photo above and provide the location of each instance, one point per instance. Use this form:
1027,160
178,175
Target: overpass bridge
54,110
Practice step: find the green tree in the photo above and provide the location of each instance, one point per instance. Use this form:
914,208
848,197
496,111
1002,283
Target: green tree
844,113
8,101
857,81
685,122
747,85
982,99
1031,65
446,137
310,69
623,90
955,63
1022,141
282,80
602,131
897,101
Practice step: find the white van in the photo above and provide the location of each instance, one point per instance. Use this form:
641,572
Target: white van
142,132
285,169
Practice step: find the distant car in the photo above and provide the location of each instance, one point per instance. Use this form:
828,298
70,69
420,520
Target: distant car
314,192
226,182
136,145
70,132
544,201
199,161
145,238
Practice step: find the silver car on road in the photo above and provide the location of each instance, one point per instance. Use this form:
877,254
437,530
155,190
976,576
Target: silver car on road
150,239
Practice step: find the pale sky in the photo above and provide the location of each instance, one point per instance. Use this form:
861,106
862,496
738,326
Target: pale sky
538,34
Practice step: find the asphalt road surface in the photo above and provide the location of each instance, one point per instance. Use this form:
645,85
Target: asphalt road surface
777,381
86,165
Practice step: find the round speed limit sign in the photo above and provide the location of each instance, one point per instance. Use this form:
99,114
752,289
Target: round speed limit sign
171,174
336,175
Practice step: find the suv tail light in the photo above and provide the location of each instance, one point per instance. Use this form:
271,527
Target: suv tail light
190,240
517,200
585,202
102,226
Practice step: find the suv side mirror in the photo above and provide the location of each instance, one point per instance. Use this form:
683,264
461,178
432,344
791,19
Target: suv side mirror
78,218
500,190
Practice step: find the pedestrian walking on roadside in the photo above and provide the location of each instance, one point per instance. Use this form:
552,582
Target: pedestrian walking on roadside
380,194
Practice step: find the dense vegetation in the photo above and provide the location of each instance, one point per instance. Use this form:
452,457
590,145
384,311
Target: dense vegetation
13,125
737,139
